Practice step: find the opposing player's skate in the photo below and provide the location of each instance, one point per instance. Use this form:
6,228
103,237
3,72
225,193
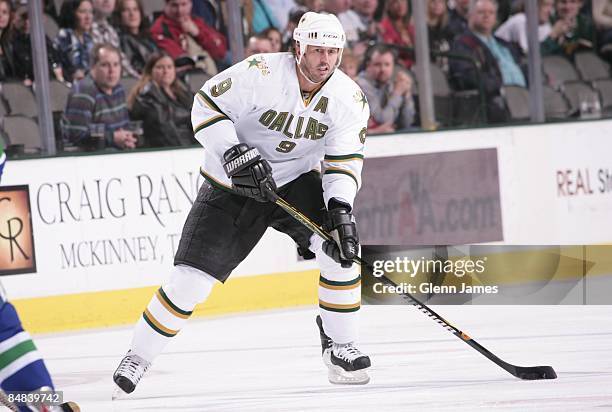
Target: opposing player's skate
129,372
346,363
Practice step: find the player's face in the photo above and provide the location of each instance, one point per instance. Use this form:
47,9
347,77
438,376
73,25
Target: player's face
319,62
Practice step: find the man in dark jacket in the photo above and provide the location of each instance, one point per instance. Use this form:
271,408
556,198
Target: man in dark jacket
496,60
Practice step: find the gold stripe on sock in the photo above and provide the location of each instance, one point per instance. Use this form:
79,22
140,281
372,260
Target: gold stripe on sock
170,308
158,325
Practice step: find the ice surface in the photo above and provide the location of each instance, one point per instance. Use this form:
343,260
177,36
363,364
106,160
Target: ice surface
270,361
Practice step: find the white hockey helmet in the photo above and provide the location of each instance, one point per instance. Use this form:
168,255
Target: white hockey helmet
322,30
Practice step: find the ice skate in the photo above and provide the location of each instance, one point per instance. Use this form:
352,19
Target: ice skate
129,372
346,364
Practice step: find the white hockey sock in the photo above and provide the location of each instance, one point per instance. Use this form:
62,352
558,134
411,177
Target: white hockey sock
169,309
339,296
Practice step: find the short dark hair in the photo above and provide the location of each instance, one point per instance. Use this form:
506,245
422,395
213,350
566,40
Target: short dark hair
380,49
95,52
67,17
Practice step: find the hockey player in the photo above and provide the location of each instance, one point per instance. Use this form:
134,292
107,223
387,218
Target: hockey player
267,123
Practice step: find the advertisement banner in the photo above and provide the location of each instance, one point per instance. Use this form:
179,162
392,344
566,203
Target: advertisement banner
113,221
17,254
432,198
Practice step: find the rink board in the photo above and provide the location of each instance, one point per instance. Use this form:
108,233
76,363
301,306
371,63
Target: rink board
105,227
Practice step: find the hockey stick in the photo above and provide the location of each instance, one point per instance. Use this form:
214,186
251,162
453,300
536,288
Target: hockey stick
522,372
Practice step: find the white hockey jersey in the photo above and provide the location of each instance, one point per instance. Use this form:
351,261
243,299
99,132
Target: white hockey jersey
259,102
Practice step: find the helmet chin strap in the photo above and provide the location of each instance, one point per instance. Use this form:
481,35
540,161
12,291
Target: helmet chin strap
306,77
298,60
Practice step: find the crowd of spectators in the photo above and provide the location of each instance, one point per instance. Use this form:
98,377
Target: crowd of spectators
100,41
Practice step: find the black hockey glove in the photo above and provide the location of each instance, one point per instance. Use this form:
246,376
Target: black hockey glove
341,225
251,175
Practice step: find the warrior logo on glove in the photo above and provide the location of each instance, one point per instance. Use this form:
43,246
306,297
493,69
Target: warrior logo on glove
251,175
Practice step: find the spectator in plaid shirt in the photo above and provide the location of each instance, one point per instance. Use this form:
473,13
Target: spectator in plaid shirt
103,32
99,100
74,41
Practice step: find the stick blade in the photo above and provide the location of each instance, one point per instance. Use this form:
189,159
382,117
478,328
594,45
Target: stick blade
535,372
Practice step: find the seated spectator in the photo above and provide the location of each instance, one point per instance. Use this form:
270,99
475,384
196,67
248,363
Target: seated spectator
98,102
22,50
6,41
514,30
457,17
103,32
74,41
602,17
275,38
163,104
180,34
134,37
360,26
440,34
263,17
349,64
388,90
258,44
571,30
397,29
497,60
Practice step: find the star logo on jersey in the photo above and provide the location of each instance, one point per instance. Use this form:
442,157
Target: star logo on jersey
259,64
360,97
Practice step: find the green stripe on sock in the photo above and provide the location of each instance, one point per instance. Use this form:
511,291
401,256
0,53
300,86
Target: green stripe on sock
9,356
336,283
172,305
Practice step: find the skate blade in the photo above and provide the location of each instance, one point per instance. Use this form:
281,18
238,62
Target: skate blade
339,376
118,394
